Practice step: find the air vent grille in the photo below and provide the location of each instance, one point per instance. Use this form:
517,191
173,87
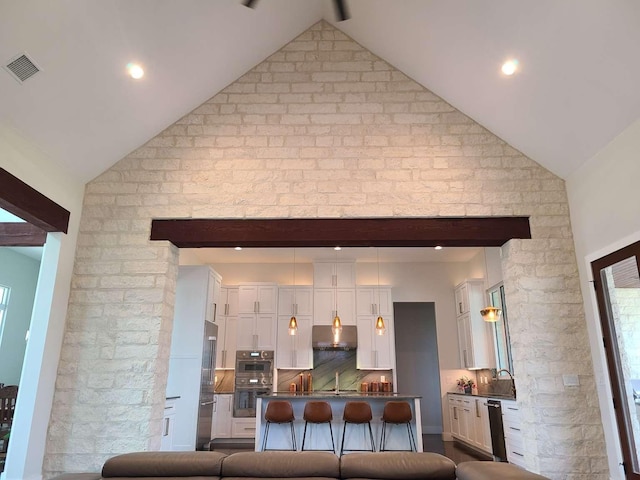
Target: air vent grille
22,67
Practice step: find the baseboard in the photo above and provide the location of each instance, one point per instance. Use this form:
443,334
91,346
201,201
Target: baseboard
447,437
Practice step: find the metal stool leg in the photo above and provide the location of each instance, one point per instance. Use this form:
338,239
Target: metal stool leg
266,433
412,438
304,435
373,445
333,445
344,429
293,437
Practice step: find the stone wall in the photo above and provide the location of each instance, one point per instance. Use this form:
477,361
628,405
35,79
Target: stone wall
322,128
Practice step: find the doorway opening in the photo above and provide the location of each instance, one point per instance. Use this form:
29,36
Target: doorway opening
617,282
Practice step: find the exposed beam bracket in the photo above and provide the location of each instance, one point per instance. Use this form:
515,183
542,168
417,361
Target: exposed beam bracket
21,235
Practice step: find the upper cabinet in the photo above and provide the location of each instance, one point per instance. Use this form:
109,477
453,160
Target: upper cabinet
296,300
374,301
332,274
327,302
258,298
227,318
474,334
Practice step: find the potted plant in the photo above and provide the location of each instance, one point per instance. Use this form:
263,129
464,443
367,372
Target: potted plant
466,385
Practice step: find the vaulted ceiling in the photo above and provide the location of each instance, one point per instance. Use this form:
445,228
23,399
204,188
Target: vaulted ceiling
576,87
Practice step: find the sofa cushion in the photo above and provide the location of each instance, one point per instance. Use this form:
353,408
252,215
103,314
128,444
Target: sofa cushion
281,465
164,464
397,465
494,471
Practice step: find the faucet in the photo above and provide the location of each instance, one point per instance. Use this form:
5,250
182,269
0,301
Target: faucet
513,383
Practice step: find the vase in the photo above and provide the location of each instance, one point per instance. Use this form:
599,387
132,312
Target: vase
467,389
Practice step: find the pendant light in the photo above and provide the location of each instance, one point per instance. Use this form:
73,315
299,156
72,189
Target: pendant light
490,313
380,328
336,325
293,322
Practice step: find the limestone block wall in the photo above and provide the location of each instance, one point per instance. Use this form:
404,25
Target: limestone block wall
322,128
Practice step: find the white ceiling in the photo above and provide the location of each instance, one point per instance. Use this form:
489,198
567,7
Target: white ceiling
576,90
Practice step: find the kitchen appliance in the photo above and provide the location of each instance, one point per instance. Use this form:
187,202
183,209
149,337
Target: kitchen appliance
207,386
254,377
323,338
499,448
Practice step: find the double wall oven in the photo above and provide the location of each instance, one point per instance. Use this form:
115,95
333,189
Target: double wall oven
254,376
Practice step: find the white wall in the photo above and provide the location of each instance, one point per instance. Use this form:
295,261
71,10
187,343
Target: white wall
603,201
26,450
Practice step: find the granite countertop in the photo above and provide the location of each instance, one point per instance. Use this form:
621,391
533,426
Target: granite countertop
341,394
498,396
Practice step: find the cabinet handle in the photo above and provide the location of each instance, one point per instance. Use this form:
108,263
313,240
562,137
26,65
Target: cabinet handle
166,427
514,428
334,280
464,354
460,306
212,361
224,358
455,413
511,408
477,410
517,453
226,309
249,428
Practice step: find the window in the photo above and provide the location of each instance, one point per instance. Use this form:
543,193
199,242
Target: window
4,300
501,329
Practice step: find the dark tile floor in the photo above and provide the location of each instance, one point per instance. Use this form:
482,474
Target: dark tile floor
431,443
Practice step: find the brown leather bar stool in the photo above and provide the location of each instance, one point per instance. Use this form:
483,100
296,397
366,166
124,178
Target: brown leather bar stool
397,413
279,411
358,413
318,412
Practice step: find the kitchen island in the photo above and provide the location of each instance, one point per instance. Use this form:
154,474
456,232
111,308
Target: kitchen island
318,436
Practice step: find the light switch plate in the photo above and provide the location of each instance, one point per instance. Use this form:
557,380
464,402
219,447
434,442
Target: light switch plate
570,380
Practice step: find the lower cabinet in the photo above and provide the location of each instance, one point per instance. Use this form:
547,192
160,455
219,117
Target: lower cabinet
222,411
243,428
469,421
166,444
512,425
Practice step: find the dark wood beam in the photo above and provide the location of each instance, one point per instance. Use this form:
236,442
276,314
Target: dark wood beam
346,232
21,235
27,203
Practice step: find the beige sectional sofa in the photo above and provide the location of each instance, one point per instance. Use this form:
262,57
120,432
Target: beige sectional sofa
297,466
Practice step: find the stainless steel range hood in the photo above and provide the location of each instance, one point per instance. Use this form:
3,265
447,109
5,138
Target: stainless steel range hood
322,338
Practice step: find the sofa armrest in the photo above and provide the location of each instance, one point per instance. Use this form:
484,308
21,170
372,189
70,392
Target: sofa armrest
78,476
493,471
281,465
164,464
397,465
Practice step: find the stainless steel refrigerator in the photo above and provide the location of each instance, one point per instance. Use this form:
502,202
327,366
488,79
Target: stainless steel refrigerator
207,386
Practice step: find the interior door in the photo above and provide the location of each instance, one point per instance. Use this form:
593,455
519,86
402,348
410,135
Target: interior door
617,285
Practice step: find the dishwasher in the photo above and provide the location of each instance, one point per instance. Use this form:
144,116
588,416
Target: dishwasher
497,431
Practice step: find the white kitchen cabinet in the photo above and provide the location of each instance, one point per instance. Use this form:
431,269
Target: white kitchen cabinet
513,438
227,319
375,352
257,298
256,331
474,334
334,274
296,300
294,351
222,416
324,305
454,416
373,300
482,430
194,306
166,444
243,428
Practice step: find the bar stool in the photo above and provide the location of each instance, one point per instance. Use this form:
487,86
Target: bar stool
318,412
279,411
397,413
357,413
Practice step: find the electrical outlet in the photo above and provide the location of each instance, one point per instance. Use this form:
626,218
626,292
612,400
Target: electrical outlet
570,380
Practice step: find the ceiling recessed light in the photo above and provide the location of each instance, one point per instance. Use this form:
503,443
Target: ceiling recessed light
337,248
438,247
135,70
238,248
509,67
